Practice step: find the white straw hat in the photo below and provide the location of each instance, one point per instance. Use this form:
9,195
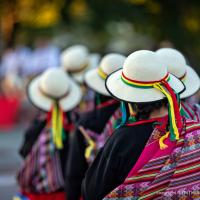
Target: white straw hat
141,67
176,64
54,84
76,61
95,78
94,59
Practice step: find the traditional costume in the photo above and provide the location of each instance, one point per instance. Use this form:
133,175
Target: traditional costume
94,127
77,60
139,154
46,143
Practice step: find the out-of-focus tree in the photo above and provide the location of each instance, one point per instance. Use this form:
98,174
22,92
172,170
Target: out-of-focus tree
31,14
176,21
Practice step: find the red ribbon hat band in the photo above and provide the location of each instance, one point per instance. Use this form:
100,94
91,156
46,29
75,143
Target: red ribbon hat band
143,84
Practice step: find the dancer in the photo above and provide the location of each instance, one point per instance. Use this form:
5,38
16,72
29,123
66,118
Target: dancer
149,89
93,127
77,60
46,143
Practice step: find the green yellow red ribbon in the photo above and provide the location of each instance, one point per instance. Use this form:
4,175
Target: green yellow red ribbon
173,110
142,84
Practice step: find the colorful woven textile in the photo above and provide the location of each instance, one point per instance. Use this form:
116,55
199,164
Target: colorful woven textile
100,139
191,112
172,173
41,171
112,123
197,112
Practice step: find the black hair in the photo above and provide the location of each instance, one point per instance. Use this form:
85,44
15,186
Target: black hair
99,98
143,110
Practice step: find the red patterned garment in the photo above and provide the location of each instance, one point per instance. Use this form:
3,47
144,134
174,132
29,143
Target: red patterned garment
172,173
41,171
51,196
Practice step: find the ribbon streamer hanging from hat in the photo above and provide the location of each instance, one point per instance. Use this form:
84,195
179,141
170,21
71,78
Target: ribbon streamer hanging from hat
175,121
91,144
183,112
56,117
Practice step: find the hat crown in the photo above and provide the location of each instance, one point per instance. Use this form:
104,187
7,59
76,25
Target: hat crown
75,57
112,62
144,65
54,82
173,60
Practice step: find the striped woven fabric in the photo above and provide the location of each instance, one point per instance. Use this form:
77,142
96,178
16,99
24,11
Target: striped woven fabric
112,123
192,112
41,171
170,174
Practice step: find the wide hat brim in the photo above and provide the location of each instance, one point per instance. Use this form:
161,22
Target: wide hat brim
70,101
95,82
120,90
192,83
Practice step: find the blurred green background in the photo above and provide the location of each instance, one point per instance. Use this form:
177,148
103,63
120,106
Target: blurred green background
105,25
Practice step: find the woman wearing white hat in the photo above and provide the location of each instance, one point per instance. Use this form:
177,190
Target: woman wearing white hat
140,158
176,64
45,147
76,60
93,127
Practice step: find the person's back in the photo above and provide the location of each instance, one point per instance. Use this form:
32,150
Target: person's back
46,143
93,127
146,86
116,160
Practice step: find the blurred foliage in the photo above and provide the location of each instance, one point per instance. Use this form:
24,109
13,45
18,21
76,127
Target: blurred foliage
177,21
